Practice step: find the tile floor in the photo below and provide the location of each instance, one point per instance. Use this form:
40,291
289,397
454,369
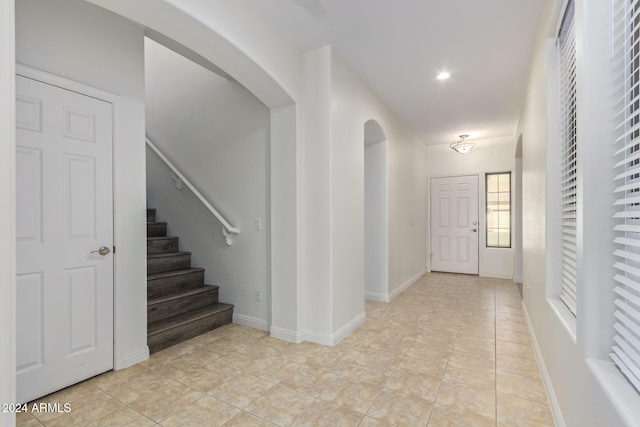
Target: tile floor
452,350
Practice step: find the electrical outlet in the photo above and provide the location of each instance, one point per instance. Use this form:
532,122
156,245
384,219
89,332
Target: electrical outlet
258,224
258,295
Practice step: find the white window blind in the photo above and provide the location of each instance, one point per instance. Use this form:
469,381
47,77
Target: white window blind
626,346
566,46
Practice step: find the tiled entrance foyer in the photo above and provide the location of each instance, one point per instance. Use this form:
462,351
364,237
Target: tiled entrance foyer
452,350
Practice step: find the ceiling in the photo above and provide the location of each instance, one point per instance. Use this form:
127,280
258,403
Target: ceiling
399,46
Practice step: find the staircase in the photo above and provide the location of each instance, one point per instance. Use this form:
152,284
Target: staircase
179,304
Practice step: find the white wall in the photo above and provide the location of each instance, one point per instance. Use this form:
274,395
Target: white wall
495,155
316,220
84,43
376,220
353,104
217,134
336,105
585,389
7,212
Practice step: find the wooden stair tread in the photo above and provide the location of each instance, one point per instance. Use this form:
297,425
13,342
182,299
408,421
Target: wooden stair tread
187,293
173,273
168,254
183,319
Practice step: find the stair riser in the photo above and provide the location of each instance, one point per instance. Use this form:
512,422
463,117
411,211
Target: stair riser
161,311
156,229
151,215
182,333
164,264
170,285
169,244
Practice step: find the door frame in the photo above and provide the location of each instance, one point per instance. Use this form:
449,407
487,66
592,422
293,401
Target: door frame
114,100
482,216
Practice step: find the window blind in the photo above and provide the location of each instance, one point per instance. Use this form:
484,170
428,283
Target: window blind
566,47
626,46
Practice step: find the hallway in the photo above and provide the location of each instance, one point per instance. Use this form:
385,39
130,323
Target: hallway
451,350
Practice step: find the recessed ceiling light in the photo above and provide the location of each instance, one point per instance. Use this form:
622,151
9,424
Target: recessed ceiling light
443,76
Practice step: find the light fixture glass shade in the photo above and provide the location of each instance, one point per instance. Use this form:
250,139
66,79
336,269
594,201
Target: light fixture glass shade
462,146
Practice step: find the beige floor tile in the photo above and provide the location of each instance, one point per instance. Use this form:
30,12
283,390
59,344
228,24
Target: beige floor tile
511,335
192,370
206,411
123,418
129,384
453,338
327,359
433,367
414,384
368,374
240,390
467,398
514,349
512,326
83,411
421,350
472,343
25,419
309,381
280,405
373,357
273,369
478,331
245,419
372,422
213,373
477,377
321,413
357,396
523,387
474,359
70,394
446,416
400,409
514,411
168,397
517,366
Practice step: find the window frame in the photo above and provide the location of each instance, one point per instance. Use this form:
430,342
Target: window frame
486,201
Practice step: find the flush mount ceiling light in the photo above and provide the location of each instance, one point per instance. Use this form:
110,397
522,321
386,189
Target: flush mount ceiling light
462,146
443,76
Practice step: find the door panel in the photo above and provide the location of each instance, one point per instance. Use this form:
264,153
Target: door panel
64,206
454,217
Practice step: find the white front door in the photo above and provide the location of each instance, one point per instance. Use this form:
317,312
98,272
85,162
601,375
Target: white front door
64,290
454,224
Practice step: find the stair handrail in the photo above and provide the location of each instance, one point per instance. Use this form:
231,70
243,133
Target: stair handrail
227,229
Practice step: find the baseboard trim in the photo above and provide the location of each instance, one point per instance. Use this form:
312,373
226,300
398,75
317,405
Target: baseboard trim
546,379
400,289
496,276
285,335
251,322
372,296
318,337
132,359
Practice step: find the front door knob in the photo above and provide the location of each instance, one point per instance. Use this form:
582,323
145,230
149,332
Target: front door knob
104,250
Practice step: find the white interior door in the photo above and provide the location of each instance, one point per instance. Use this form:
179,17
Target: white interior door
454,224
64,291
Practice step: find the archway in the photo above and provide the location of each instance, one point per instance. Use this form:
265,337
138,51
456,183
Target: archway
376,213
